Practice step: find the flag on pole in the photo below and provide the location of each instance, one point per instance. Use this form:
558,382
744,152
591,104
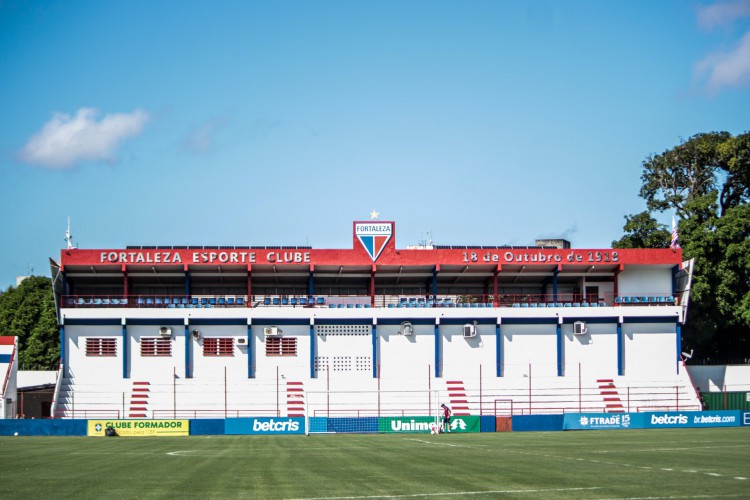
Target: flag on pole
675,243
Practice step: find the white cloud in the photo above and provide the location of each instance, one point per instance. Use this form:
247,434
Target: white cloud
723,13
726,69
66,140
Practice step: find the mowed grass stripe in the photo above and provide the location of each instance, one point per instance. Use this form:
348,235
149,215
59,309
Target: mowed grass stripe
586,464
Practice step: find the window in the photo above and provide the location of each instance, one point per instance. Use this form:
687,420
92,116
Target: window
216,346
101,347
156,346
281,346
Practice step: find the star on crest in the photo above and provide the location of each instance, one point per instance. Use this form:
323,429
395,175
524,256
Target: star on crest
374,214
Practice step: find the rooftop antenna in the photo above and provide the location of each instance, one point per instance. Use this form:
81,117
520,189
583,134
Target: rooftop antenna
69,237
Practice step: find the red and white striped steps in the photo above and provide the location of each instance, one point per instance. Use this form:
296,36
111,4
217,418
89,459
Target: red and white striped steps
610,395
459,403
295,399
139,400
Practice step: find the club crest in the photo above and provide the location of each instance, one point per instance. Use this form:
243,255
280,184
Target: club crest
374,236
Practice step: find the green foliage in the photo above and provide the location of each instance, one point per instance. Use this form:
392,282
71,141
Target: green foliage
642,231
706,181
28,312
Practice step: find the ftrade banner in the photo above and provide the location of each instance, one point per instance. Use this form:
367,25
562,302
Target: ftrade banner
746,418
591,421
140,427
264,425
424,424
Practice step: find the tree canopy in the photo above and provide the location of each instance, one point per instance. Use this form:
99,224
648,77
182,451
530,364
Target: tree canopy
28,312
705,181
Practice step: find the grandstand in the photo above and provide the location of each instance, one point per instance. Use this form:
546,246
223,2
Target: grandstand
371,330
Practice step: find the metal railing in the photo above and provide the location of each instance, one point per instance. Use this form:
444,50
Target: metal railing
523,300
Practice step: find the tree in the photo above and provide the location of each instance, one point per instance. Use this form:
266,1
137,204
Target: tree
28,312
706,182
643,232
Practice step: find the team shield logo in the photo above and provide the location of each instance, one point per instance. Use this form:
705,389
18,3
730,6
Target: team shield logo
374,236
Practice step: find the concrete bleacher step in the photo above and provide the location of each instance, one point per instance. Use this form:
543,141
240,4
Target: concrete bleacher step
139,399
457,397
295,399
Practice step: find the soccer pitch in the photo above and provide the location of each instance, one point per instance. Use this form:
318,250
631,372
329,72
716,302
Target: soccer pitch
669,463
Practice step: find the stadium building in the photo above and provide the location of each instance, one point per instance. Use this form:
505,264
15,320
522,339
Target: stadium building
370,330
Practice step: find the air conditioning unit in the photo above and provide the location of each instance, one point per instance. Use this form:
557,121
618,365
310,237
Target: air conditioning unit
407,329
271,331
242,341
165,331
470,330
579,328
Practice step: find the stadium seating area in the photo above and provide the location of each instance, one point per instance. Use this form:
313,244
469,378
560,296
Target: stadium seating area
218,397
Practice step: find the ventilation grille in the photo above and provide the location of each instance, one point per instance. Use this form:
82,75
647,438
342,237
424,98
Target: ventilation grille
343,329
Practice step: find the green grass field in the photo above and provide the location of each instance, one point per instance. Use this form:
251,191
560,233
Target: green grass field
672,463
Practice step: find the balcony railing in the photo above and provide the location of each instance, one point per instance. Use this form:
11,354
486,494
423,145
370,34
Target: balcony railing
365,301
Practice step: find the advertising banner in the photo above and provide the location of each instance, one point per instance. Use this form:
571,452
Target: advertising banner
264,425
590,421
730,418
651,420
424,424
746,418
140,427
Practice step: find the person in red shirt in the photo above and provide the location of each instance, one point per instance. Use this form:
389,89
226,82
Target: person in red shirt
446,418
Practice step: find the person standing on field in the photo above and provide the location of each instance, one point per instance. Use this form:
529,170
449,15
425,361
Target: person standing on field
446,418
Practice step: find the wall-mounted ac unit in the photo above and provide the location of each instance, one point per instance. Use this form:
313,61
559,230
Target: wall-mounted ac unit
271,331
242,341
579,328
165,331
407,329
470,330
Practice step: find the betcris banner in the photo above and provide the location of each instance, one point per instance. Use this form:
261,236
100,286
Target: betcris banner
730,418
597,421
265,425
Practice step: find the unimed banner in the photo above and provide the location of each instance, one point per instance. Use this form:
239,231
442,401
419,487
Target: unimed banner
265,425
422,424
140,427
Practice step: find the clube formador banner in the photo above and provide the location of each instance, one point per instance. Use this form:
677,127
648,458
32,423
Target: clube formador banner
140,427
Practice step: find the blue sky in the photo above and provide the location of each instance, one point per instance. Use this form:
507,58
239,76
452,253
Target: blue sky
262,123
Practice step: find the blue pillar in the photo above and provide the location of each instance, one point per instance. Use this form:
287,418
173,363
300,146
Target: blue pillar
554,285
62,345
313,374
375,359
438,371
678,334
310,287
434,282
125,350
188,348
620,350
187,284
250,352
499,350
559,350
64,280
675,270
